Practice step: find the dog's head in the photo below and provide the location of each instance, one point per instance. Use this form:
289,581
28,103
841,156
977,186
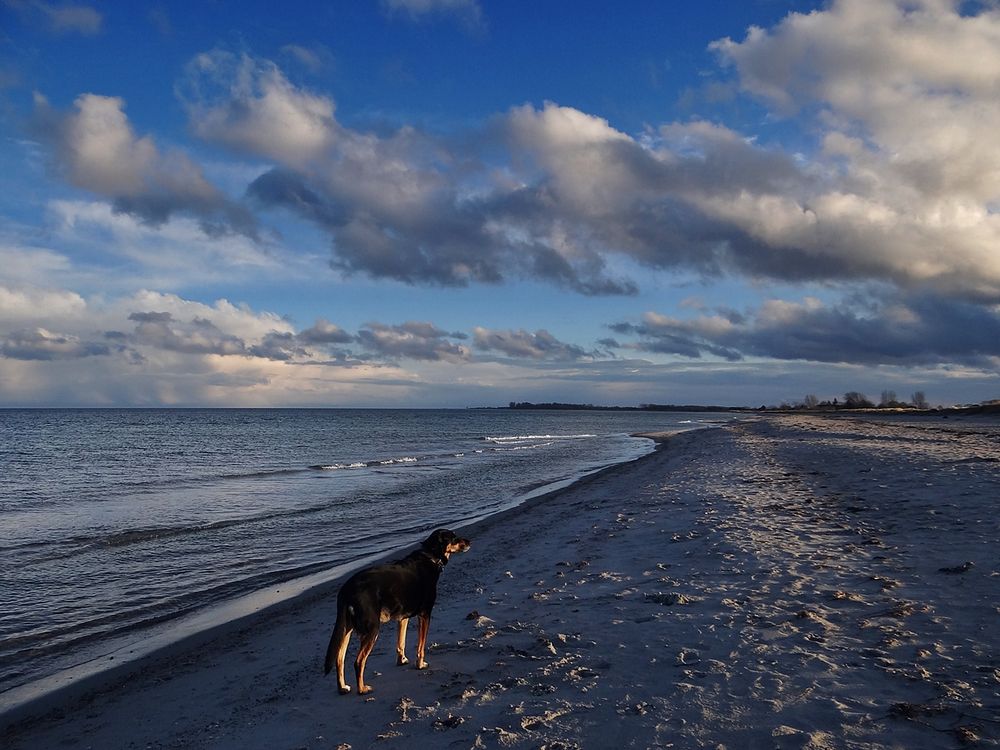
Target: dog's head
444,542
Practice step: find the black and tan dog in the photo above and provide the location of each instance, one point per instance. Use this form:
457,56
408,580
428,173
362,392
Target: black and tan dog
395,591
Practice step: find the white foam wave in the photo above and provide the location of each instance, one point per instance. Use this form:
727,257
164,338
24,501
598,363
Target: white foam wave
338,467
368,464
503,439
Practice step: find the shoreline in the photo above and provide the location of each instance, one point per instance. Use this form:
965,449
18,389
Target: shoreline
150,647
788,581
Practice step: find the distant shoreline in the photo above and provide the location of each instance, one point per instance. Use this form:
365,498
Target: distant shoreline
988,408
557,406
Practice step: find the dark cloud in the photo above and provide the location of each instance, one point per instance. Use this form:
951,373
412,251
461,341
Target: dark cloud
917,330
540,345
321,343
40,344
201,336
412,340
151,317
325,332
279,346
449,242
284,189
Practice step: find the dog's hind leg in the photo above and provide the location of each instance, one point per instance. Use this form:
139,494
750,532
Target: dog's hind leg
425,623
401,643
367,644
336,652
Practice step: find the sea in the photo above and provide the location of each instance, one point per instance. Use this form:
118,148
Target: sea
119,522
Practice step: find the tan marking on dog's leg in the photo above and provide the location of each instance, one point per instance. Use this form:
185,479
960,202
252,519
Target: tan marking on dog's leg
425,622
367,644
345,638
401,643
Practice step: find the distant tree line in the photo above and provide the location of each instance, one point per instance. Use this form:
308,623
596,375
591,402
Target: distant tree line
851,400
555,405
858,400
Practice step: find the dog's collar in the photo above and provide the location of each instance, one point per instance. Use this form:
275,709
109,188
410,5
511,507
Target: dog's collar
439,561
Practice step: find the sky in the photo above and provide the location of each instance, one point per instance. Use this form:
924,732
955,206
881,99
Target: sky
452,203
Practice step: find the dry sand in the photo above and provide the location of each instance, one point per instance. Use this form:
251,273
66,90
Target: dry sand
789,582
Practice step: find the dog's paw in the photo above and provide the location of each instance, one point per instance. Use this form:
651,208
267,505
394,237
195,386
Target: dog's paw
345,690
422,664
364,689
401,660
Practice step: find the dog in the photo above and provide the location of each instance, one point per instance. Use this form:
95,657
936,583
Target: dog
396,591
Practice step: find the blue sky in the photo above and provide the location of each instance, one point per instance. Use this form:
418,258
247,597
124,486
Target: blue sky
461,202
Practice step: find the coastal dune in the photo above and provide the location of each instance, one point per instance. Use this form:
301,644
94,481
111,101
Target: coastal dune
786,581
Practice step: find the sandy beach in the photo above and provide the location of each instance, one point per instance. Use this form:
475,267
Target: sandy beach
784,582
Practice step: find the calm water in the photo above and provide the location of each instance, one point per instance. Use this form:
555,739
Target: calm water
115,520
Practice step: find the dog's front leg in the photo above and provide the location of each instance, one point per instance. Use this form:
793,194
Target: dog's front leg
401,643
425,622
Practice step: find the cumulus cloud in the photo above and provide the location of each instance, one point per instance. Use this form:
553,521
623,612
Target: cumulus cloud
413,340
908,330
45,345
30,304
404,205
249,105
155,348
325,332
540,345
911,159
280,346
901,186
149,324
97,149
199,336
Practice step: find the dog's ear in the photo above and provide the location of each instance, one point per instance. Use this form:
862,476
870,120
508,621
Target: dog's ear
437,542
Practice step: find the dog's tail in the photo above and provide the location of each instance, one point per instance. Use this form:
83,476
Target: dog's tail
340,632
331,653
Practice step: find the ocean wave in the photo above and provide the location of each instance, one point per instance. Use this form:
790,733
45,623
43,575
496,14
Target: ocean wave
503,439
528,446
365,464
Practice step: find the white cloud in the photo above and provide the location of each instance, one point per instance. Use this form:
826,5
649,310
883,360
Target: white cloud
909,139
32,264
149,348
96,147
248,104
578,154
25,305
